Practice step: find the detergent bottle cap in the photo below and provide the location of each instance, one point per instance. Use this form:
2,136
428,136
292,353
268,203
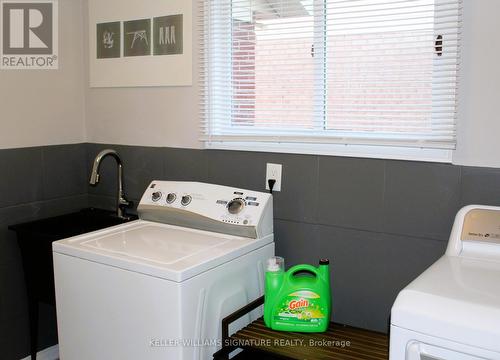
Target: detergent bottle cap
275,264
324,262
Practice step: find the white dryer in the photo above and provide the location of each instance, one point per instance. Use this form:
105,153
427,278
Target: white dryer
452,310
158,287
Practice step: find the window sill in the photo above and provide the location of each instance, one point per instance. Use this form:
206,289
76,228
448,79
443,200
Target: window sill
360,151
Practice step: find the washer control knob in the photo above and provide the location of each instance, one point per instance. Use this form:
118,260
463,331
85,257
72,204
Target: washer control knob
186,199
235,206
171,198
156,196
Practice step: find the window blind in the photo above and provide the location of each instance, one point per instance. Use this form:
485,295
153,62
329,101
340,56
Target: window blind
372,72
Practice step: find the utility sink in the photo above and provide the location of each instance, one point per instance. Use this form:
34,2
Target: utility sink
73,224
35,242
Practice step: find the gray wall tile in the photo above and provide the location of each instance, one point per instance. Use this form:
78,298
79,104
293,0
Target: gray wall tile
480,186
21,180
237,168
421,199
297,242
64,171
185,165
107,171
20,213
351,192
297,198
61,206
141,165
369,269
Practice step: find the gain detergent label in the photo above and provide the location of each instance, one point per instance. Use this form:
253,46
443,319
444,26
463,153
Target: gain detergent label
301,307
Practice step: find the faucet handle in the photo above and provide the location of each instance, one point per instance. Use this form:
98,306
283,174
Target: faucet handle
124,203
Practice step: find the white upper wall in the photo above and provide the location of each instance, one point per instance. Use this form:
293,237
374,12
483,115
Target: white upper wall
46,107
49,107
169,116
154,116
479,90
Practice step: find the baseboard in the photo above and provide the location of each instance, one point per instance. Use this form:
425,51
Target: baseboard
51,353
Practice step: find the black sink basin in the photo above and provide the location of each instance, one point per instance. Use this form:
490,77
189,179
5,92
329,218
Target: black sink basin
68,225
35,242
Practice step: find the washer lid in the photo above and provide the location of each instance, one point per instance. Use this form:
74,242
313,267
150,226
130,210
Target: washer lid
166,251
457,298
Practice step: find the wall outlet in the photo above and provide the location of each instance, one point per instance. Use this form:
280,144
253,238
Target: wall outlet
274,172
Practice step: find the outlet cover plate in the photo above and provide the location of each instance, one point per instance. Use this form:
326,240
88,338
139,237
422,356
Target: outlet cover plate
274,171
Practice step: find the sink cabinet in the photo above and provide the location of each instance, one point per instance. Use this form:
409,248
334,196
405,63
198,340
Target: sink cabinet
35,243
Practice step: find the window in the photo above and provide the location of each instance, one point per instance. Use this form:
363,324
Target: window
350,72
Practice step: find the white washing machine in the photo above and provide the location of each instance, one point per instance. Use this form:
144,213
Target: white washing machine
452,310
158,287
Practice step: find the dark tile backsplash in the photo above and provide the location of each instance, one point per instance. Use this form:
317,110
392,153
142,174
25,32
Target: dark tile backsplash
351,192
21,180
185,165
140,164
480,186
421,199
369,269
381,222
63,173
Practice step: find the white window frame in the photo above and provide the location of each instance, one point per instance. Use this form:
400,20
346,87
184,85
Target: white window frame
350,149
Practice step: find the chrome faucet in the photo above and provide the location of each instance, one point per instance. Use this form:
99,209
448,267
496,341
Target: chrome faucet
122,202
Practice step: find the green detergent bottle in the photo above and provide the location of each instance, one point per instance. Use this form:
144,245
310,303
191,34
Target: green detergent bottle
298,299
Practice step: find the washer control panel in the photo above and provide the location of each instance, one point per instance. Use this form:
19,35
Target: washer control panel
223,204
